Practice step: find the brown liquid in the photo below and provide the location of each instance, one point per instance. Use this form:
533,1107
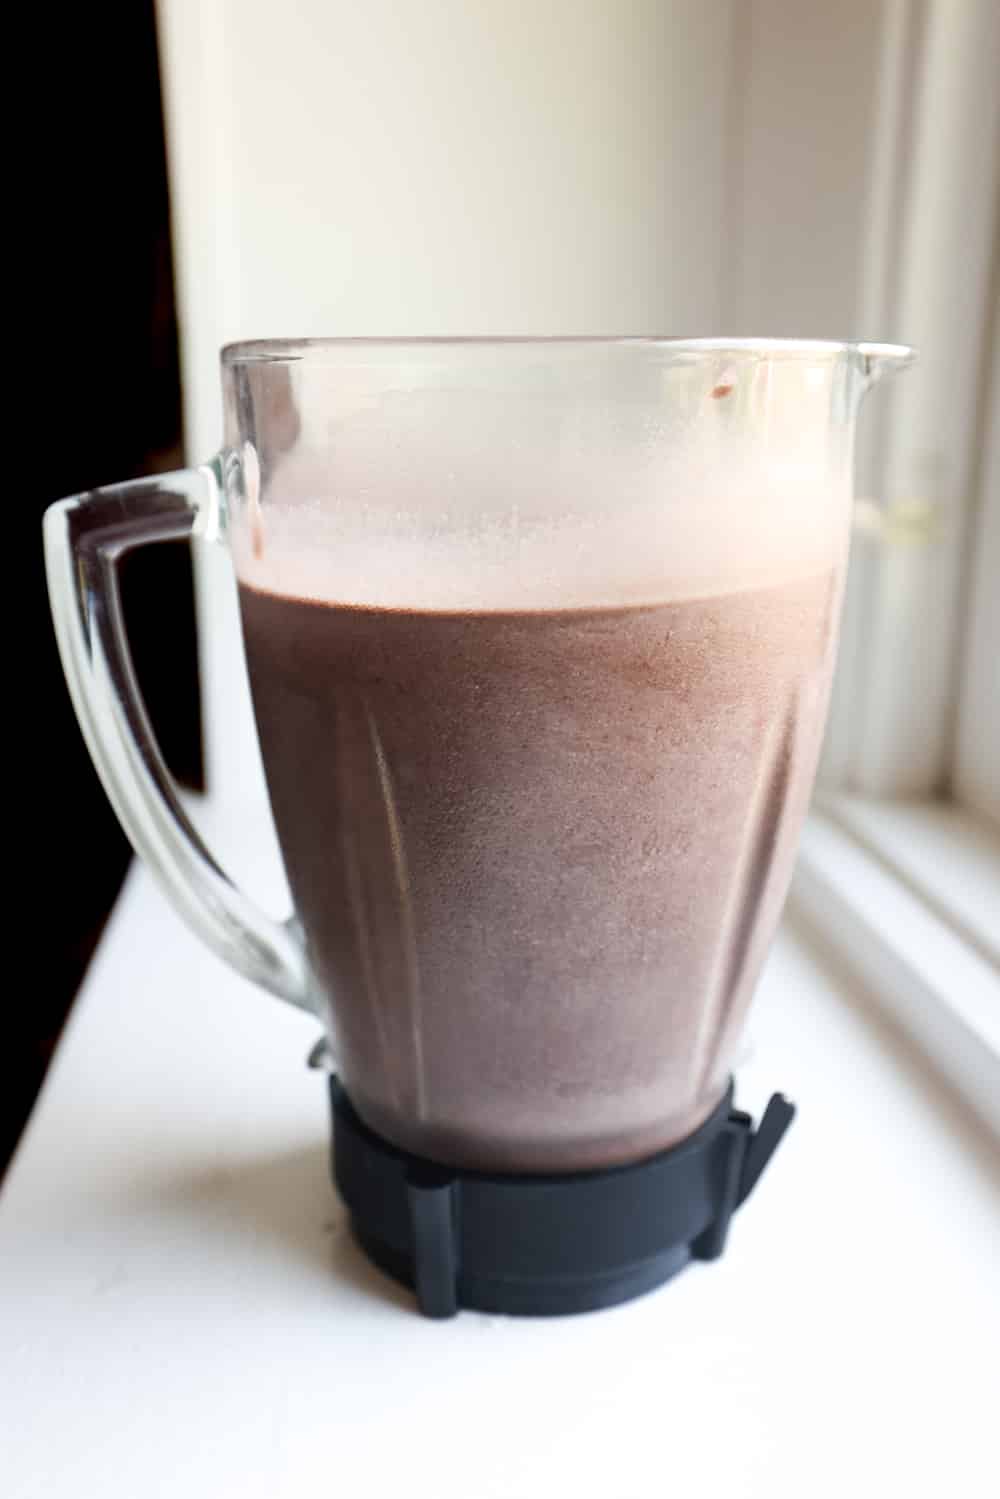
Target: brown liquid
539,856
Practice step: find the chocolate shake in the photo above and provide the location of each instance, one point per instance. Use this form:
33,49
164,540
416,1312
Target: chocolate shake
539,854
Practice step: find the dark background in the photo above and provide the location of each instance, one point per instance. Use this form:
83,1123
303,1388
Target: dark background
96,391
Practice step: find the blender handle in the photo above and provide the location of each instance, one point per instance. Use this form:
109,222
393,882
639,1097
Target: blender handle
85,538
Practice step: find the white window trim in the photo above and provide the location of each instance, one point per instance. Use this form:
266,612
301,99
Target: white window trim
901,893
944,854
976,769
926,279
909,951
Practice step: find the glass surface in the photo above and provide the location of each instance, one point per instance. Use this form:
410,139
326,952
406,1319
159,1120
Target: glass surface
540,636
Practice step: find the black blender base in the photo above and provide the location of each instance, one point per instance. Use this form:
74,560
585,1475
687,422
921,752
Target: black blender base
548,1245
551,1297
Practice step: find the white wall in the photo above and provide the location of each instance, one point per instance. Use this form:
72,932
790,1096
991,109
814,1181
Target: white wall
431,166
447,166
685,166
803,107
442,166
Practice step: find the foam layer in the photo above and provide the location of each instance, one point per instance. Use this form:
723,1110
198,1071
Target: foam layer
442,573
533,509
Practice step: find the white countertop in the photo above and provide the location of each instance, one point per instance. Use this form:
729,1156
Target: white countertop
183,1312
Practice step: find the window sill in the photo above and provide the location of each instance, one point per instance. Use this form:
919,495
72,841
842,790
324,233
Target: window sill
945,855
174,1179
901,892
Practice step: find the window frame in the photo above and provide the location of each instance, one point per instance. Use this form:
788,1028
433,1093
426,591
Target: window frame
976,766
916,964
916,81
